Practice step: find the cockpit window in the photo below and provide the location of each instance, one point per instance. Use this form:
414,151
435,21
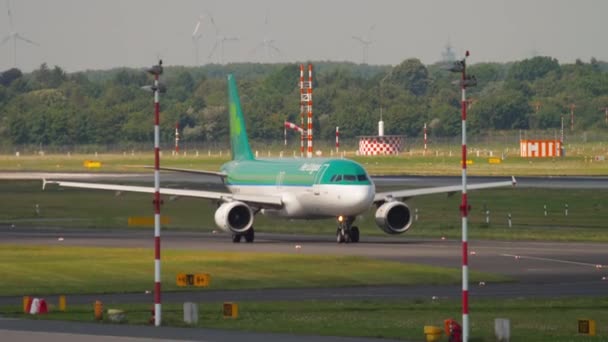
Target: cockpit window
338,178
350,178
333,178
361,178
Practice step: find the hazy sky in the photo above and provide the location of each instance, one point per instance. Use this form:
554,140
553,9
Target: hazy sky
101,34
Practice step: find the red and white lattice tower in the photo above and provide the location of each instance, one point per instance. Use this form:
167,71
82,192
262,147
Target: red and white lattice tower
337,139
302,107
306,109
309,131
176,137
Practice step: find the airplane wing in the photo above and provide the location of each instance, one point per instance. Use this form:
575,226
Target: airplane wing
260,201
404,194
198,172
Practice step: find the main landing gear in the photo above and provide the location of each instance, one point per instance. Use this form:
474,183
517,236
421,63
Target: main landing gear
248,235
346,232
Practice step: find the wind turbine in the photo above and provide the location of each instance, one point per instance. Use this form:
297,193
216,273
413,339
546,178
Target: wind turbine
365,42
14,35
220,40
196,36
267,44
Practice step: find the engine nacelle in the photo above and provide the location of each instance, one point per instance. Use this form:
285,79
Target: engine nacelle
234,217
394,217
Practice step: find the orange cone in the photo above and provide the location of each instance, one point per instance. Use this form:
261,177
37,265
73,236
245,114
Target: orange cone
27,304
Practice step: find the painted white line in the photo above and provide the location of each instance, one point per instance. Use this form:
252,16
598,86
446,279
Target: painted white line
554,260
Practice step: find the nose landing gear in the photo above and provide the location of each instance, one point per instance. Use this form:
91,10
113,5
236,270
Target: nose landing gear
346,232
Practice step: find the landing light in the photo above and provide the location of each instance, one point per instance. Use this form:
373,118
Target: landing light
340,218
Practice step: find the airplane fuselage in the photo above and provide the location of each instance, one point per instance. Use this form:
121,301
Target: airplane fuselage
309,188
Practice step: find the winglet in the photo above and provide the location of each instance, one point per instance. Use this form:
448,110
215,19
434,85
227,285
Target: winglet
43,183
513,180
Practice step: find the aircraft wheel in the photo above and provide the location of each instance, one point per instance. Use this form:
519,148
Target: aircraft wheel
236,238
249,235
354,234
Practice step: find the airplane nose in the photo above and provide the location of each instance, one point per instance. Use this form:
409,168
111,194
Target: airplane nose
361,197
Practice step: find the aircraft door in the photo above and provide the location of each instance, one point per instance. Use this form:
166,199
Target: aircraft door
280,179
318,177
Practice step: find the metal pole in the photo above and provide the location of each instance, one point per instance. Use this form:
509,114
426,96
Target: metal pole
337,139
425,137
561,137
464,209
156,71
572,116
176,137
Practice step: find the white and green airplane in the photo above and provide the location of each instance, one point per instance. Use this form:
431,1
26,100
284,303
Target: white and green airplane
293,189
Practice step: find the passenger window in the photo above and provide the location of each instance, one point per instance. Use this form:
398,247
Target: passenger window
361,178
350,178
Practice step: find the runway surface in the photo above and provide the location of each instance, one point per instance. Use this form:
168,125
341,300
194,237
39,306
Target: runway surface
541,269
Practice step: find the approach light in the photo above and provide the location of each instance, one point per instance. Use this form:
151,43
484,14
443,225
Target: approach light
156,69
470,81
457,66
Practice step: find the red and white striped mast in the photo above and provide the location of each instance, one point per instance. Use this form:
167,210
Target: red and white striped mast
309,131
337,139
157,70
465,81
176,137
285,133
425,137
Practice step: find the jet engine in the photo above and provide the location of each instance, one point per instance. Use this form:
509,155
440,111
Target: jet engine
234,217
393,217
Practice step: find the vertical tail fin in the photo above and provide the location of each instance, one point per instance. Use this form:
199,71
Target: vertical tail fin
239,143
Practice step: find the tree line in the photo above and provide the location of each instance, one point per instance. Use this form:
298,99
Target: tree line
51,107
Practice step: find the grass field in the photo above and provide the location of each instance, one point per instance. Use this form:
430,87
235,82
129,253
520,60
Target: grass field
42,270
538,320
80,208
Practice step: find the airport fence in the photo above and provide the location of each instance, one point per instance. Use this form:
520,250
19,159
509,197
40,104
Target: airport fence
500,142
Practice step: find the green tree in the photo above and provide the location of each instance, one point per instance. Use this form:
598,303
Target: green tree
533,68
412,75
